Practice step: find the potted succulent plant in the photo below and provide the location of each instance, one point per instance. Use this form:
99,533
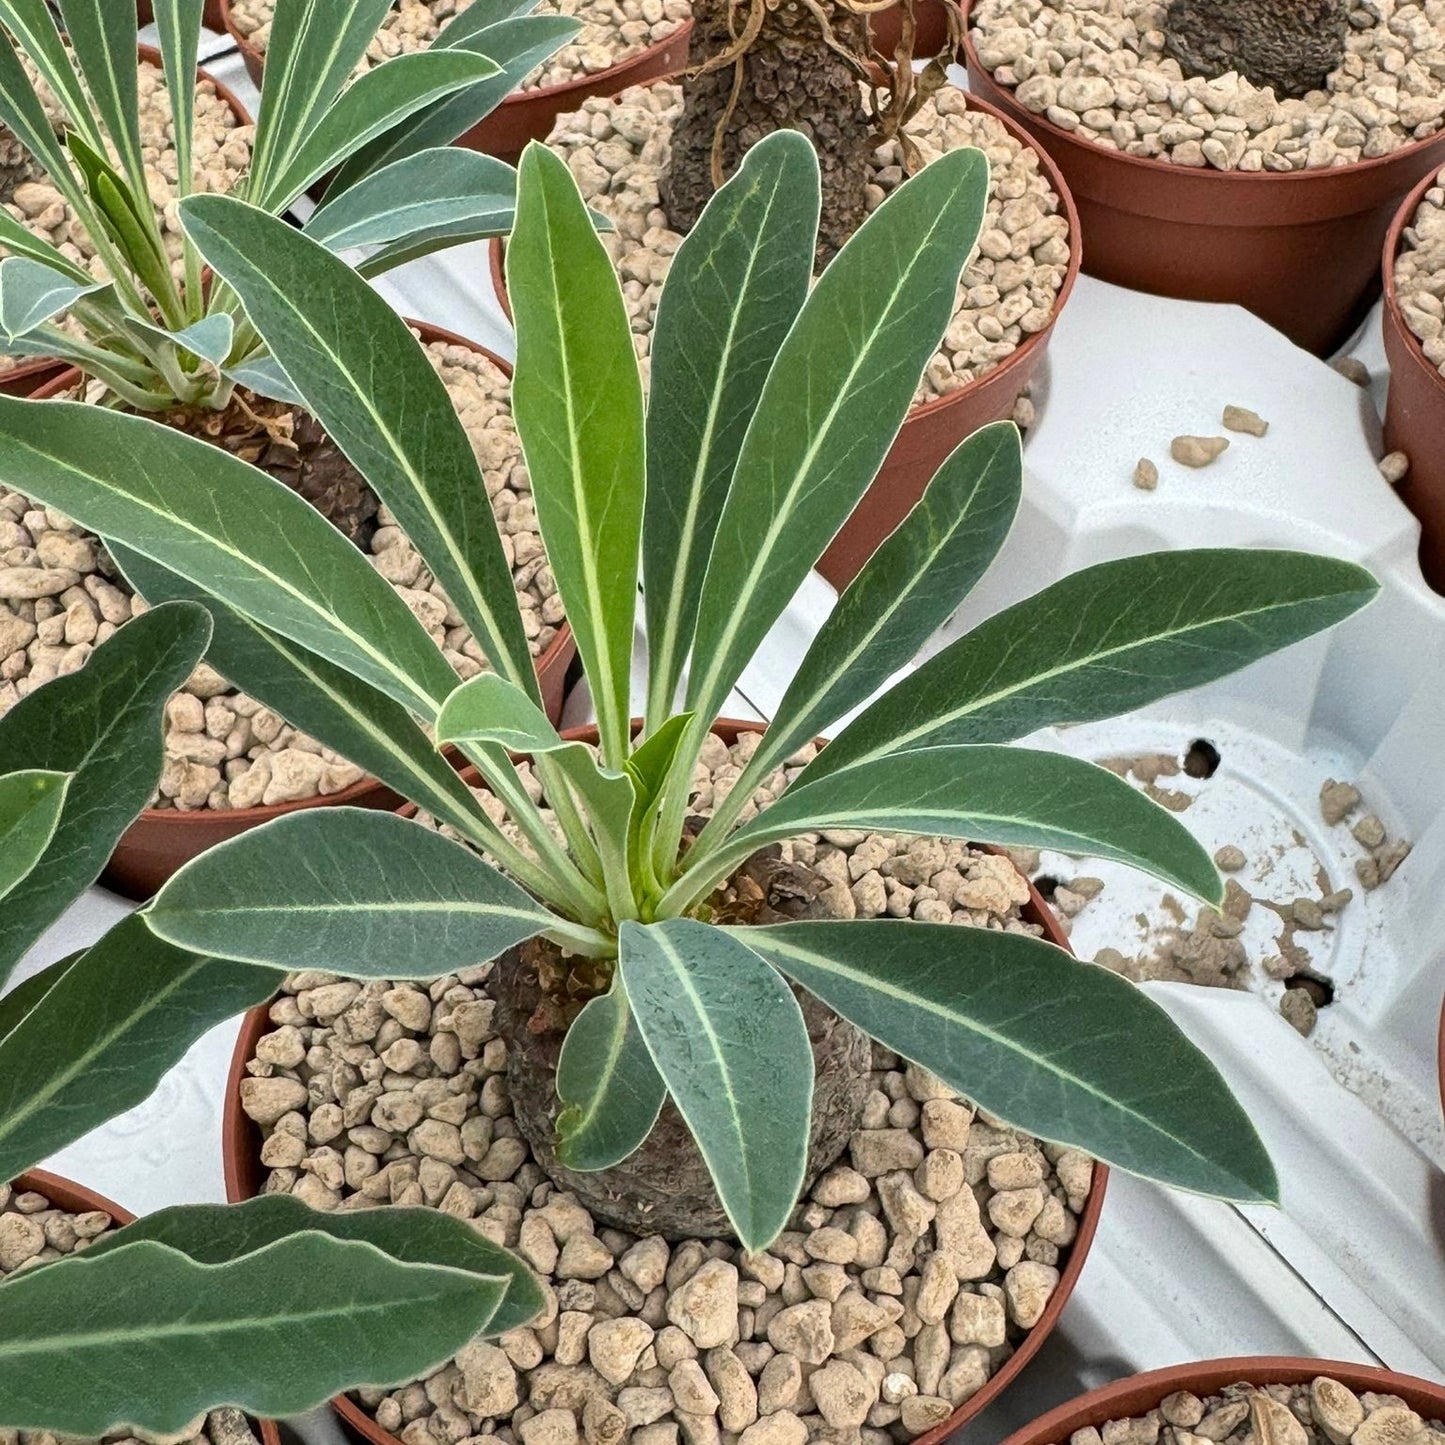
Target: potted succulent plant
154,333
843,74
1226,150
1414,270
1265,1397
662,1008
103,1327
614,45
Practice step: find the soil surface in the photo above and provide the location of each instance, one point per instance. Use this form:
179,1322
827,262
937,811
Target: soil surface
1420,273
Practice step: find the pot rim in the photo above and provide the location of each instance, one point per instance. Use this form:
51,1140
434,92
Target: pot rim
1394,240
1209,1376
1022,355
237,1132
560,647
1207,174
256,57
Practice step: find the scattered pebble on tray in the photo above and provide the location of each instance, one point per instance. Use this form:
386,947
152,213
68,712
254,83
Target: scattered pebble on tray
612,31
1146,475
1323,1412
1394,467
1420,273
1099,70
1191,451
618,148
909,1275
1241,419
1352,369
60,597
222,155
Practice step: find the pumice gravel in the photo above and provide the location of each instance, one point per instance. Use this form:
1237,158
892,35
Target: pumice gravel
911,1271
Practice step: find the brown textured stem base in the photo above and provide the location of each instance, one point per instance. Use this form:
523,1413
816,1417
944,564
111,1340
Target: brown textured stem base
1291,46
664,1188
790,80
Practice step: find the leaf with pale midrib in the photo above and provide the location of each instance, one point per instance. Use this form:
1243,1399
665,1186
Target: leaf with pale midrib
1104,641
729,1040
106,1030
30,807
103,724
1061,1049
350,891
143,1335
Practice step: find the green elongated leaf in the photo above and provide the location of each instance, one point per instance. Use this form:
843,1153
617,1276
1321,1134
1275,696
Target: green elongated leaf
1104,641
219,522
274,1332
22,111
906,590
17,239
33,26
369,107
103,1035
209,339
441,187
733,290
218,1234
349,716
103,724
178,28
489,709
837,393
371,386
348,890
649,768
1008,795
264,374
102,35
519,43
31,803
729,1040
577,400
32,292
314,47
24,997
610,1089
1059,1048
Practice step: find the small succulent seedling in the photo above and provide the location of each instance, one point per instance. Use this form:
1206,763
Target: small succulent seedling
158,334
772,405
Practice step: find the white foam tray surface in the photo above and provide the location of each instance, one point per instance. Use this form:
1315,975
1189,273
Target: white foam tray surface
1353,1264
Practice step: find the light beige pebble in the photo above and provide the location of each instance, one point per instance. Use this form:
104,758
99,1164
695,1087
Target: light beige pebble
1395,467
1146,475
1194,451
1241,419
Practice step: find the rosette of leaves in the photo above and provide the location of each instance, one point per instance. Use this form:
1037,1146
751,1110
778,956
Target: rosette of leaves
159,334
270,1305
772,405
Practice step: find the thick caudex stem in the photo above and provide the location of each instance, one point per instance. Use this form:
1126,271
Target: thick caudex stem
1290,46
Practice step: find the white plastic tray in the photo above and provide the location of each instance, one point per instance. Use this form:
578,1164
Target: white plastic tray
1353,1265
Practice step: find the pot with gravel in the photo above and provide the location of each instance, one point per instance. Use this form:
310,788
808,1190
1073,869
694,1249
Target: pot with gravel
665,951
1208,160
619,151
609,45
101,1325
1283,1399
209,375
1415,346
232,763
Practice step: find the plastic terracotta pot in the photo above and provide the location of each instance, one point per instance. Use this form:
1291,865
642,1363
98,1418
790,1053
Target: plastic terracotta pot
1415,412
528,114
246,1176
934,428
163,840
1296,248
74,1199
1126,1399
930,33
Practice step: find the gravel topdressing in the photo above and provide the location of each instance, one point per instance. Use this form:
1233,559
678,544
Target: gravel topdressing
1323,1412
911,1272
617,150
60,597
1420,273
1099,70
612,31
